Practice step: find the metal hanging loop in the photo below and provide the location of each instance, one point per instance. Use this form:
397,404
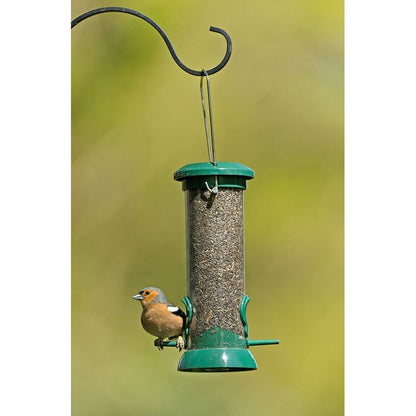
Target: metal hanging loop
209,132
164,36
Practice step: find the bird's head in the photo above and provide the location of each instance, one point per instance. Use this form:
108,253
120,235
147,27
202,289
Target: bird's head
150,295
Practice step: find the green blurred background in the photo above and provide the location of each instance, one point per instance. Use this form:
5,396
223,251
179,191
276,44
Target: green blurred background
136,118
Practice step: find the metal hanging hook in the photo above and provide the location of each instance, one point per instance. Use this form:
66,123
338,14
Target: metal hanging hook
164,36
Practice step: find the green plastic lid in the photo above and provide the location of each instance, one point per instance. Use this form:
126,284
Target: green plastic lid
227,174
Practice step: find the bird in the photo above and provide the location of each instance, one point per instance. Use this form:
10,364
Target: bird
160,317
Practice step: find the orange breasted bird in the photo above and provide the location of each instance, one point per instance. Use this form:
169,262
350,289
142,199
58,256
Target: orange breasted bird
160,317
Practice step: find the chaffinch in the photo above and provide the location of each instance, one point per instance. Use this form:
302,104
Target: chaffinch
160,317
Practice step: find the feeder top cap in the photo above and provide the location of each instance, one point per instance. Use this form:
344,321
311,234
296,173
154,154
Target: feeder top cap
208,169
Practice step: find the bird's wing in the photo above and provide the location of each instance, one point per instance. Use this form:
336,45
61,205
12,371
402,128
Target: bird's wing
179,312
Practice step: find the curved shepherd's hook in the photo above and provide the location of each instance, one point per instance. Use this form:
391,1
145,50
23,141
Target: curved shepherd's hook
164,36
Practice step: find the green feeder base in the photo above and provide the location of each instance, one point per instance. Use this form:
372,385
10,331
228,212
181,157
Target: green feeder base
217,360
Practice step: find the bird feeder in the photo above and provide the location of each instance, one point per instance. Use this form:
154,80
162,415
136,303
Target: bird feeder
216,333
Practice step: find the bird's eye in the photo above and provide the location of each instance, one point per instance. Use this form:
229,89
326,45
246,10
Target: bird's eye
147,292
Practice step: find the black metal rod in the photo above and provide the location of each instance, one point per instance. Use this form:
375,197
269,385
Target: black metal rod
164,36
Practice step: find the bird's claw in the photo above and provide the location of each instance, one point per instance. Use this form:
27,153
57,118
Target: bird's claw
159,343
180,344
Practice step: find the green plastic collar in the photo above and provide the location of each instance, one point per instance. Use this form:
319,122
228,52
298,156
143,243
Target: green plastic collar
228,175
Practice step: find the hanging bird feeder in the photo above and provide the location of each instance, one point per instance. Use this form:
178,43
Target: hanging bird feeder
216,333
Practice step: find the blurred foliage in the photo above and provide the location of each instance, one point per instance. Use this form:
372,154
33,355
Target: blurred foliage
136,118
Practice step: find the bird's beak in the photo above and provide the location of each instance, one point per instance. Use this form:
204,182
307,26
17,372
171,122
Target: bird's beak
138,297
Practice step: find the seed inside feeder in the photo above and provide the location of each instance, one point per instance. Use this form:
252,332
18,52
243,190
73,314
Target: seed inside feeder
215,259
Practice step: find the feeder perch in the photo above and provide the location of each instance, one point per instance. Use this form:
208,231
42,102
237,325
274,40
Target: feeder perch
216,333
